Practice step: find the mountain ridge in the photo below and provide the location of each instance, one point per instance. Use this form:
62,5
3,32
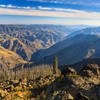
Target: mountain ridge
73,44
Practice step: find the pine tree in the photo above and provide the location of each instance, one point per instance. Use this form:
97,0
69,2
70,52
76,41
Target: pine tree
55,66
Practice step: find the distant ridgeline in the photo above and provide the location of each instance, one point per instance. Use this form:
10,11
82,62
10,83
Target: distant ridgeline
79,45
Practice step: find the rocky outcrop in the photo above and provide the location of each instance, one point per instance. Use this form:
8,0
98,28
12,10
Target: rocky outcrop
83,86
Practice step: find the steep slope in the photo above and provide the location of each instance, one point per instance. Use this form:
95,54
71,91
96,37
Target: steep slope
28,40
81,47
25,40
63,44
9,59
76,37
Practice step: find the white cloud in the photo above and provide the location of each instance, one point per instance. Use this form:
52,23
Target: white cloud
8,6
28,7
11,6
73,2
44,8
2,5
56,9
38,0
70,14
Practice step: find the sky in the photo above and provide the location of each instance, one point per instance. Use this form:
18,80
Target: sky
60,12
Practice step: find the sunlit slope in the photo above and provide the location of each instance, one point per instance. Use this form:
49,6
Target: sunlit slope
9,59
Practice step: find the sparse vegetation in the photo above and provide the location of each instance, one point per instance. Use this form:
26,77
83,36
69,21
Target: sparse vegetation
26,83
28,73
